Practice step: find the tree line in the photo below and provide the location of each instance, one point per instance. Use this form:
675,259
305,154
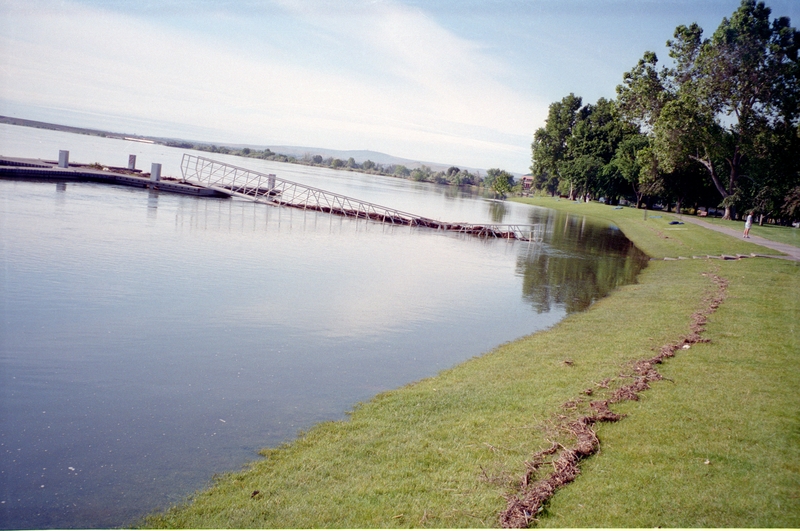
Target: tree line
718,127
498,181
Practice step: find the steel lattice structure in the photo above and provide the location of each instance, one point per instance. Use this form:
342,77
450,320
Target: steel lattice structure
267,188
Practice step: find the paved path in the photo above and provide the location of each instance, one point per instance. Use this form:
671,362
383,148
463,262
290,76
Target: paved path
792,252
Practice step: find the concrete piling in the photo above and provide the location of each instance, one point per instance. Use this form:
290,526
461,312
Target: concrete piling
63,159
155,172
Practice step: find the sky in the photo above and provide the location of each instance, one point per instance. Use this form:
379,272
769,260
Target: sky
463,82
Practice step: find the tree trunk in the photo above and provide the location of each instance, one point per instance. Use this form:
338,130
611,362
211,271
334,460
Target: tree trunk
639,196
734,164
734,174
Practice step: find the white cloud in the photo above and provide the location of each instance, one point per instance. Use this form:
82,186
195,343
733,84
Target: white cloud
420,92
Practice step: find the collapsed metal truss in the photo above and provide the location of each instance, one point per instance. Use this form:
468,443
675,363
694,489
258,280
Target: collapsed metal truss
267,188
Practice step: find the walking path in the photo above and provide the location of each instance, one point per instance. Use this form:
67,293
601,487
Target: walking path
792,252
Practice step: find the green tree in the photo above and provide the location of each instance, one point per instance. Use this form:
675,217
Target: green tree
632,162
643,93
549,147
401,171
422,174
595,137
768,178
791,205
500,181
729,90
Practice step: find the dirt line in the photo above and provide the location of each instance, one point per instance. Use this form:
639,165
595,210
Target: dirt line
522,507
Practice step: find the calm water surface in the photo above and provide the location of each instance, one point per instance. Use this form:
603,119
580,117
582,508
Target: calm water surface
148,341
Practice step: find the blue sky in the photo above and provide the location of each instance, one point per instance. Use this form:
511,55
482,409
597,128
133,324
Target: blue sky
463,82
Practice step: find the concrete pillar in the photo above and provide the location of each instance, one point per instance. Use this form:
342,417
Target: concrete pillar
131,162
63,159
155,172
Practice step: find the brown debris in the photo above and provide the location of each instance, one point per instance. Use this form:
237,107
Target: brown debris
603,413
522,508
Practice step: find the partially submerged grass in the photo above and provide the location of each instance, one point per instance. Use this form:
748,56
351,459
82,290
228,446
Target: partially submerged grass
652,233
446,451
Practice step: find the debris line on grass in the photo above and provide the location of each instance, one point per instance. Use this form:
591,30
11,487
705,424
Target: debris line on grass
523,507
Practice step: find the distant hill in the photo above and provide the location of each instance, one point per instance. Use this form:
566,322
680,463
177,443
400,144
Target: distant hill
66,128
359,155
293,151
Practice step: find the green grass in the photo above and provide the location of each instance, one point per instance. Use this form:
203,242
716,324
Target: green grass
653,234
787,235
733,403
445,452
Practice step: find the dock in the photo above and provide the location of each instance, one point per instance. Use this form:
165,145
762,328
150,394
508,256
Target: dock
203,177
268,188
22,168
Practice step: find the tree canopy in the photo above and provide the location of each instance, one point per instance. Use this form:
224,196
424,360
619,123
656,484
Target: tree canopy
717,127
501,182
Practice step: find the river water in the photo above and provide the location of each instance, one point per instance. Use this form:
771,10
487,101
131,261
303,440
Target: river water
149,340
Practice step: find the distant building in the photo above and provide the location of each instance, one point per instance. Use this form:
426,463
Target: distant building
527,183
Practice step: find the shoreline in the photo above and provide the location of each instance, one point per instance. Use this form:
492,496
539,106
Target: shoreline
449,450
234,150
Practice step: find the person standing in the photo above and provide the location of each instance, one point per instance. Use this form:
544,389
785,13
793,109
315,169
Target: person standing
747,224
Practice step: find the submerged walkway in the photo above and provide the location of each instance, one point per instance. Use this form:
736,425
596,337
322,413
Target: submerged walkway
792,252
267,188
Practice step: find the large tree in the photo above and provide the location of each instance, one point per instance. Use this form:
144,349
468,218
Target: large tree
726,92
549,148
722,119
590,149
572,152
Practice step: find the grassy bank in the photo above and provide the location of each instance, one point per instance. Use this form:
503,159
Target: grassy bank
789,235
712,445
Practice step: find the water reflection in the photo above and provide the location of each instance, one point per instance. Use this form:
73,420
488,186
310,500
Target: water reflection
583,262
152,204
212,214
497,211
61,190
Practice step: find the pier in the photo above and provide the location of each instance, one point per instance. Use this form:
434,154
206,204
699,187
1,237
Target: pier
268,188
63,170
204,177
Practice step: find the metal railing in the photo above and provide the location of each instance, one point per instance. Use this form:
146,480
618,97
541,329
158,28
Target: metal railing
268,188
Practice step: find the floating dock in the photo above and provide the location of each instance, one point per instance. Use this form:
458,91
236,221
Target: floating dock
20,168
